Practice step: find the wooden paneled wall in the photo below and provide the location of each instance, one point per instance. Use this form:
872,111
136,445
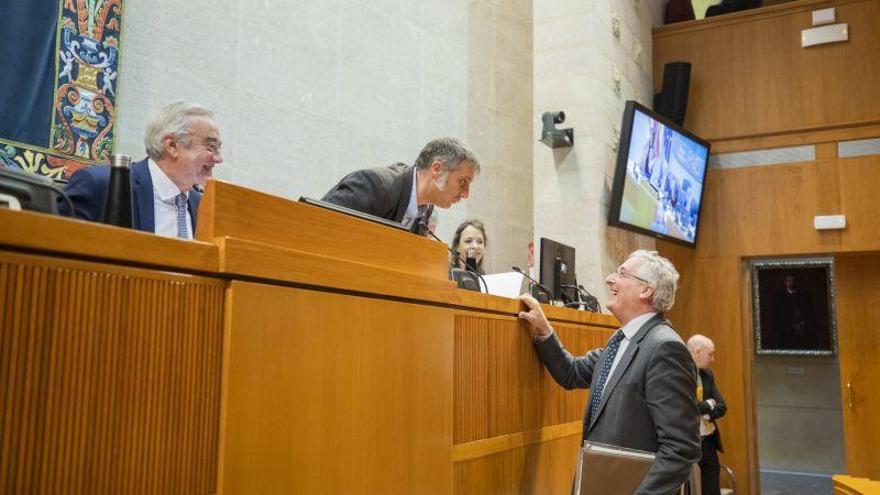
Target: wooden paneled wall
515,430
751,78
858,318
757,212
754,87
107,374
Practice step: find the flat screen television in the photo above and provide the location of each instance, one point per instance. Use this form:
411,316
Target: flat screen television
659,179
558,270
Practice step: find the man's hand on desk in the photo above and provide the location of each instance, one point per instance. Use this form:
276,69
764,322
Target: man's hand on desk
535,316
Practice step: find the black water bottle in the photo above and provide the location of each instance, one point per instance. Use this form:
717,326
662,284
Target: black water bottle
117,211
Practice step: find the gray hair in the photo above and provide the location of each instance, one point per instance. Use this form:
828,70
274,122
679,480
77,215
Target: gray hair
449,151
662,275
173,119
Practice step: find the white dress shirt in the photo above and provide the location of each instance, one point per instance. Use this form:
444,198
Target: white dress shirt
164,209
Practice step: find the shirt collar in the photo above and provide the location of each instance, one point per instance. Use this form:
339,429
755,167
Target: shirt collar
412,209
163,187
629,330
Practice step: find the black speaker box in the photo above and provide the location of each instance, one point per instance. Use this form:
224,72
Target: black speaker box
671,102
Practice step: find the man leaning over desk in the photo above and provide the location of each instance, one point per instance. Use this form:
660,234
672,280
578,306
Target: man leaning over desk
441,176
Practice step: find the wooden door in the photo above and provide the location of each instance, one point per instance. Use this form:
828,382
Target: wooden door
858,330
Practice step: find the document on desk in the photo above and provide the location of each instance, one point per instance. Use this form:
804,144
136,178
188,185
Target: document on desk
610,470
509,284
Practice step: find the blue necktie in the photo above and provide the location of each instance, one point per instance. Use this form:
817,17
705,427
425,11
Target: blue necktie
180,203
608,360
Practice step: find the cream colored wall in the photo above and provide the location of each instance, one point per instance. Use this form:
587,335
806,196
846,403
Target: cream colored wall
306,91
590,57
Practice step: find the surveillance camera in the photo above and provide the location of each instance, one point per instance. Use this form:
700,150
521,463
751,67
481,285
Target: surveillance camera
553,117
553,137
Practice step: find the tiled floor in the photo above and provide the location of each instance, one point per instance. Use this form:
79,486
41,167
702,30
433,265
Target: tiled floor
787,483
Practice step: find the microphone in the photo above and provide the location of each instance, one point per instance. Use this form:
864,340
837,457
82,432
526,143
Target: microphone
535,282
471,259
585,299
468,266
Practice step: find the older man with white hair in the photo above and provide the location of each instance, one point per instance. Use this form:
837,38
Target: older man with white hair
642,383
183,146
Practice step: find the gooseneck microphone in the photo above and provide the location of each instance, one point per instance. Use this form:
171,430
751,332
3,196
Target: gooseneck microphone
535,282
470,264
585,300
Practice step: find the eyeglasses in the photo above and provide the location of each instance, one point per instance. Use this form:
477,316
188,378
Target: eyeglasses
622,274
212,147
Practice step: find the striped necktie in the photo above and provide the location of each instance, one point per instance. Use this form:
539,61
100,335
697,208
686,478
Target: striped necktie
608,360
182,228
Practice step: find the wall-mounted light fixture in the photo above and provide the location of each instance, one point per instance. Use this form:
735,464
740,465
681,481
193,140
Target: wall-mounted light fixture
825,31
553,137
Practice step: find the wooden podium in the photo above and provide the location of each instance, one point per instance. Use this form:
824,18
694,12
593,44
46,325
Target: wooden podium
290,349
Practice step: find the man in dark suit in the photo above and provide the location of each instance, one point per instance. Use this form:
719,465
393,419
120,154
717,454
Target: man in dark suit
794,315
183,146
441,175
642,383
712,406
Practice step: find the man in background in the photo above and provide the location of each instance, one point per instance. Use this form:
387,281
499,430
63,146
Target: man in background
712,406
442,175
642,383
183,146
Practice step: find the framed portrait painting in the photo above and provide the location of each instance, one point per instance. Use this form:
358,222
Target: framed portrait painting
793,306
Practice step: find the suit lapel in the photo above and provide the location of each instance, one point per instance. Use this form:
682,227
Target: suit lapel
192,204
405,184
142,197
625,361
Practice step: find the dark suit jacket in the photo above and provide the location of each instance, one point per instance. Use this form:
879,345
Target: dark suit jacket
383,192
88,187
710,391
649,402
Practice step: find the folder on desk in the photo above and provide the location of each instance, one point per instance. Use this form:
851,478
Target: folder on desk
604,469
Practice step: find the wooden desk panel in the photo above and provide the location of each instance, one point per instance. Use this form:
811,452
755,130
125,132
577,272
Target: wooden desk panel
25,230
298,226
849,485
330,393
349,379
500,385
515,429
539,468
109,379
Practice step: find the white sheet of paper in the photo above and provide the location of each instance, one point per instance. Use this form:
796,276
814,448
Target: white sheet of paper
507,284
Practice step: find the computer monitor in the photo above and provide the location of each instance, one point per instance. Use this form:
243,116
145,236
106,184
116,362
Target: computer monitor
353,213
558,270
659,179
26,191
